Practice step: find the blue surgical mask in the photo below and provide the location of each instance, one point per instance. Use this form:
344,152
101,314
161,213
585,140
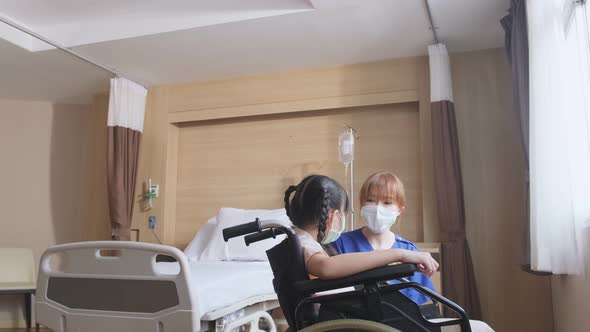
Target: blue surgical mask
335,230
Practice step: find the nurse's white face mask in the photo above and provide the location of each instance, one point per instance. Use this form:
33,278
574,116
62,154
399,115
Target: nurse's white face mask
379,218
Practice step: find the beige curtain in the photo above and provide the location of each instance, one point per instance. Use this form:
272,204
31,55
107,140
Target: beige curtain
457,268
123,153
125,125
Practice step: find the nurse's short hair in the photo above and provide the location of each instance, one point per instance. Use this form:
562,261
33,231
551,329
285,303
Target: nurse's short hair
387,185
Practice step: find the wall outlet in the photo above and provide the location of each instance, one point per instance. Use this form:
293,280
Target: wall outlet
153,191
152,222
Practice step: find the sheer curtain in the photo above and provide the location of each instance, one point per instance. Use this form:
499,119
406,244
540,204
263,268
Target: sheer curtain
559,136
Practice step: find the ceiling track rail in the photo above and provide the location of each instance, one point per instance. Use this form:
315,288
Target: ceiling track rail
432,26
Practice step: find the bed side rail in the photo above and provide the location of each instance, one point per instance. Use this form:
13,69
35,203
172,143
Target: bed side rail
116,258
114,285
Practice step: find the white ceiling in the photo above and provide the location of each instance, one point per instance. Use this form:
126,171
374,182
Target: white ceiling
156,42
73,23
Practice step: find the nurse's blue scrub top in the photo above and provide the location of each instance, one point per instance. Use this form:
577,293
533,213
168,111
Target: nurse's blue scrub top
355,241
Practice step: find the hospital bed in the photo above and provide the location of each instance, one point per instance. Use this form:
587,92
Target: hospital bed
125,286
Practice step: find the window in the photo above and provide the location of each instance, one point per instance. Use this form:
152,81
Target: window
559,127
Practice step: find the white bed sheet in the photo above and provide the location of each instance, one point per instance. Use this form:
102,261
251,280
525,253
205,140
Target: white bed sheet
220,284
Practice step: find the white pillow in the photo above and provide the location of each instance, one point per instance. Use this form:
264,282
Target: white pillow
199,242
235,249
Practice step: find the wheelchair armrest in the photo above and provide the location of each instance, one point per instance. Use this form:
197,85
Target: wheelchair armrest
384,273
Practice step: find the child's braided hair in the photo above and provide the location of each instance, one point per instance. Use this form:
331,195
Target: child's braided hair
314,197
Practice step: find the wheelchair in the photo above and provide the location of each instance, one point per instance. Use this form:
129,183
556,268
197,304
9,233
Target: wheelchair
372,299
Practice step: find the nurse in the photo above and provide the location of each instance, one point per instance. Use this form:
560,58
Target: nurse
382,201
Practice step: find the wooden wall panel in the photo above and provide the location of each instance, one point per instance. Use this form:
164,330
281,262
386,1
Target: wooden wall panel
250,162
307,105
311,91
348,80
152,164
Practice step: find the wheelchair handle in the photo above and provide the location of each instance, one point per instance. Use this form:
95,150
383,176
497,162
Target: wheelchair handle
266,234
242,229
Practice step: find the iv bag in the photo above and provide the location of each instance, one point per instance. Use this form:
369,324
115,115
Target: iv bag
346,147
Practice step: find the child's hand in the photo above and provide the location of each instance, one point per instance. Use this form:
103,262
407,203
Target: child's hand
423,260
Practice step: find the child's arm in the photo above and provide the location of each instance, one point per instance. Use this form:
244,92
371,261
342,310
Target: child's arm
339,266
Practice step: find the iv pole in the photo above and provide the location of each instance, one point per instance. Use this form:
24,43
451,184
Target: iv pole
354,135
352,131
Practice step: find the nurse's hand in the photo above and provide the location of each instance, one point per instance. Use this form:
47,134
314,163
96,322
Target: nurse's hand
423,260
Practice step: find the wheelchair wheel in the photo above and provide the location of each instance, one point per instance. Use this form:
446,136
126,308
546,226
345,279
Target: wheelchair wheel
349,324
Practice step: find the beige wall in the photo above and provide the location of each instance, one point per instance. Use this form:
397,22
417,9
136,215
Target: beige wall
95,210
42,166
492,163
570,297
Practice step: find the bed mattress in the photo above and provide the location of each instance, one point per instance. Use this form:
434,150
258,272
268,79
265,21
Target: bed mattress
217,285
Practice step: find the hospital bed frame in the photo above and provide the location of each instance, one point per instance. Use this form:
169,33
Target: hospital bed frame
114,286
